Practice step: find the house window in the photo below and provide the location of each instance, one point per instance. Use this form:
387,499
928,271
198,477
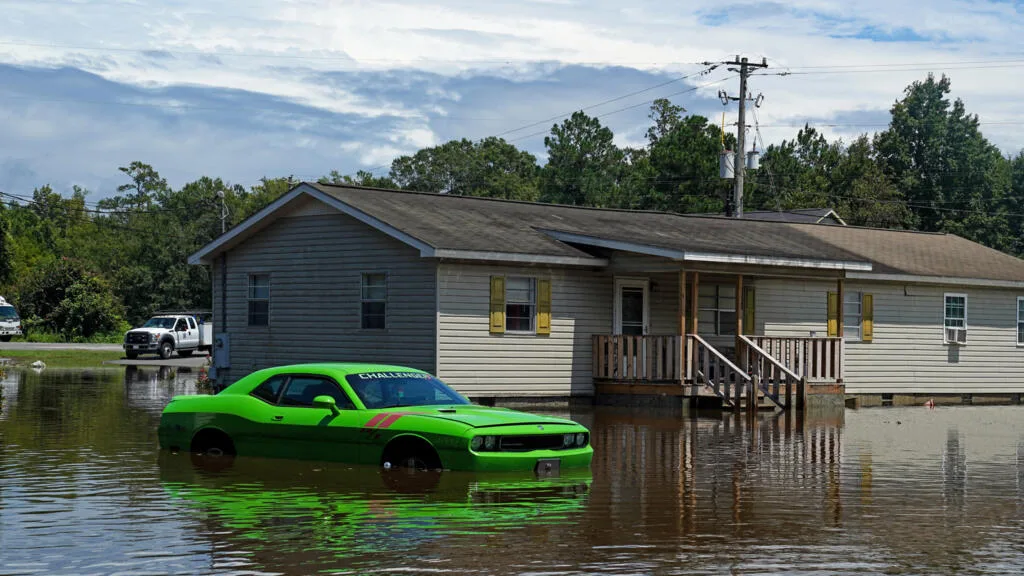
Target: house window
1020,320
853,314
717,309
955,318
520,304
259,300
374,298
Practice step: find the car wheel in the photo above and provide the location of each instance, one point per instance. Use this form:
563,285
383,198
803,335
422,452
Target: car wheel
212,450
131,355
166,348
410,454
185,353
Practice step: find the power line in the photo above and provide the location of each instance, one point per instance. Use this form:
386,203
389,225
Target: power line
645,103
703,72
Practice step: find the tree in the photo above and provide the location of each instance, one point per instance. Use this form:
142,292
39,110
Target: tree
361,178
491,168
684,153
63,296
862,194
584,164
145,185
953,178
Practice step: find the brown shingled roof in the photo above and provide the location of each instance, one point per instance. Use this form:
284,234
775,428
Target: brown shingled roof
499,226
482,224
920,253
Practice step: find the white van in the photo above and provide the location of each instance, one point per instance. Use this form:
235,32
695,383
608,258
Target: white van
10,322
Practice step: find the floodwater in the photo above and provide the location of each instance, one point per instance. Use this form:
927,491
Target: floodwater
84,490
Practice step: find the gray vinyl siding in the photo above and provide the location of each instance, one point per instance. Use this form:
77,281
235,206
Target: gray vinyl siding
907,354
315,265
481,364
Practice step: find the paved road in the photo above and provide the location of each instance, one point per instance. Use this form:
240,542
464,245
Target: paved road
58,346
192,362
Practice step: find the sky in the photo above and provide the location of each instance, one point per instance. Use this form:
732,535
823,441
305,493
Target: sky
246,89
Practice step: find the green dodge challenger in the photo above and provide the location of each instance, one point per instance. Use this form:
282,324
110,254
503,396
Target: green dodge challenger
368,414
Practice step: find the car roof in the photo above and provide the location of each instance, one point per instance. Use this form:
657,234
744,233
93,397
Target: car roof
344,367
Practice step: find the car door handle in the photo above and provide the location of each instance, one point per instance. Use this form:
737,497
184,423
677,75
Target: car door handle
278,418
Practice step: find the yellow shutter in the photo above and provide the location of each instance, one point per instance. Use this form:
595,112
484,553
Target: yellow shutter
497,304
867,327
749,305
833,314
543,306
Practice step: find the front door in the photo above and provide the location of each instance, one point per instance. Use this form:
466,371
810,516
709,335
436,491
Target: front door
631,306
313,433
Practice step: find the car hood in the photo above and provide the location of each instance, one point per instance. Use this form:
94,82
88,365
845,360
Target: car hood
483,416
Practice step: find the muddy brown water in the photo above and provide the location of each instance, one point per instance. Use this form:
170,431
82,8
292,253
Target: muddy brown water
84,490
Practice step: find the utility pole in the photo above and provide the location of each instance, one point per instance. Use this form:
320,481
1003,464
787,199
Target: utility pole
223,212
745,67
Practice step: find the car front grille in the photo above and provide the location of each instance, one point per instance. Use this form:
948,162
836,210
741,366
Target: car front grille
138,338
527,443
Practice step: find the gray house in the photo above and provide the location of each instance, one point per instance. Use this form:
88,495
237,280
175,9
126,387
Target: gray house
513,299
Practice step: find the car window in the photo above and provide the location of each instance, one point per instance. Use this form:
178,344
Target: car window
8,313
270,389
191,323
302,390
392,389
180,326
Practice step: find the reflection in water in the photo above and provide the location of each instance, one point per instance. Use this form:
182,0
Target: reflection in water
83,490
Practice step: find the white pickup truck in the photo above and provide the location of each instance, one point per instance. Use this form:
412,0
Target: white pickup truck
166,333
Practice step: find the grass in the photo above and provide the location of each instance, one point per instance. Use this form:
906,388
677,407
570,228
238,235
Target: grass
61,358
54,338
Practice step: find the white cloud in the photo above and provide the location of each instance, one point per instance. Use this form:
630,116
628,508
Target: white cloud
286,50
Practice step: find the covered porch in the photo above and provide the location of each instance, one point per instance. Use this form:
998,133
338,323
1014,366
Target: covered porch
695,333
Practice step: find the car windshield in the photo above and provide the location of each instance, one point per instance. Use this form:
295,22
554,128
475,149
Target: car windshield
166,323
8,313
392,389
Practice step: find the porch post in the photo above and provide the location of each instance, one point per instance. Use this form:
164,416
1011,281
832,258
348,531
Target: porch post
741,353
683,360
842,299
695,290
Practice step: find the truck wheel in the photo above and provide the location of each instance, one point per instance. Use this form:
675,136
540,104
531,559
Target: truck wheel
5,338
184,353
166,348
131,355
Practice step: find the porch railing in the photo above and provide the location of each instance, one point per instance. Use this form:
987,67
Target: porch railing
675,359
654,359
816,359
711,368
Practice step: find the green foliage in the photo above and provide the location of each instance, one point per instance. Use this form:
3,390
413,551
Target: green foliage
584,164
64,297
954,180
492,168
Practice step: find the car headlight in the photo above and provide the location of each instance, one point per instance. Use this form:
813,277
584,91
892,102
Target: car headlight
490,442
581,439
567,440
476,443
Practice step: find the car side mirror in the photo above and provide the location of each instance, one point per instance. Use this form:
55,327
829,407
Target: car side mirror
326,402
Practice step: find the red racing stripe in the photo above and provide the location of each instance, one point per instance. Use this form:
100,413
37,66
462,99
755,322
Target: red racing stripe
376,420
391,419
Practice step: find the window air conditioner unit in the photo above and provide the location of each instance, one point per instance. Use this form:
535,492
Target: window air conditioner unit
956,335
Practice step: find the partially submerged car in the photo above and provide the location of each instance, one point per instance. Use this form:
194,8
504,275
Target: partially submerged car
368,414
